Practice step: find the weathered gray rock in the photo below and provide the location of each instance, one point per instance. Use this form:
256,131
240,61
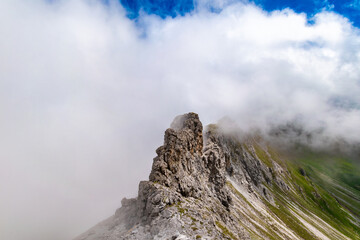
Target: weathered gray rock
197,190
177,165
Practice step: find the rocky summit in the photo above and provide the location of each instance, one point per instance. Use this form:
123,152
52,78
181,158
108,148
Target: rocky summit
216,185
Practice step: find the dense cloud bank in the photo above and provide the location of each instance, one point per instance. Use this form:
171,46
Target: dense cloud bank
86,93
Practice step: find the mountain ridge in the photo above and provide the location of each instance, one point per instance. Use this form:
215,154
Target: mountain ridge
211,185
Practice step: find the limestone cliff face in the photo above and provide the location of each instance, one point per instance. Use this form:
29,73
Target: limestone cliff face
220,188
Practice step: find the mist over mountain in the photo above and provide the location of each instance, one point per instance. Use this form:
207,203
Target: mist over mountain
217,185
86,91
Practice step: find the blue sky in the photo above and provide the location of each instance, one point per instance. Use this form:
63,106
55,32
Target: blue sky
173,8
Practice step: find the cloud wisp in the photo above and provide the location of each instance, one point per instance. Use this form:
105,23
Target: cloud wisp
86,95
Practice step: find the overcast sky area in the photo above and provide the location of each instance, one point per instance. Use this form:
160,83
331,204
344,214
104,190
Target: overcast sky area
87,89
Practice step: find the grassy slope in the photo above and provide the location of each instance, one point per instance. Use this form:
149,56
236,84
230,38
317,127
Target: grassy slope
327,185
339,175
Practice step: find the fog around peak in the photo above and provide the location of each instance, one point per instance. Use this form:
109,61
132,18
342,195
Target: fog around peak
86,94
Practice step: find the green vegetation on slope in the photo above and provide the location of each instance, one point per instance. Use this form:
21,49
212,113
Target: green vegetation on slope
326,184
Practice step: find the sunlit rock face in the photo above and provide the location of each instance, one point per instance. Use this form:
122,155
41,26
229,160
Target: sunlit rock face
212,185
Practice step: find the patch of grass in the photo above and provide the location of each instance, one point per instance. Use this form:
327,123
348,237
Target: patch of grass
262,155
181,210
225,231
291,221
275,155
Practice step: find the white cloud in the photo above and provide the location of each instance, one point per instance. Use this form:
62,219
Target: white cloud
85,96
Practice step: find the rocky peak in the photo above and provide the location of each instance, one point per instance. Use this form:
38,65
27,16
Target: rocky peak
178,160
184,165
189,122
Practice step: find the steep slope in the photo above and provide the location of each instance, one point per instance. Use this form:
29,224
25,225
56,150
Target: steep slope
220,186
337,173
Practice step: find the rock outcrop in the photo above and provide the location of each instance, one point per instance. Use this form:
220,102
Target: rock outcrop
217,188
177,165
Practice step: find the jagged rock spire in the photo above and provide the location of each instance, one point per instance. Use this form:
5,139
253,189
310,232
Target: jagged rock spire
178,159
191,124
